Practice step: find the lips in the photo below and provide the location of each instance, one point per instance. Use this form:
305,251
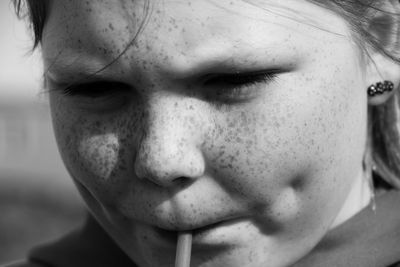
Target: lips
195,230
202,230
200,234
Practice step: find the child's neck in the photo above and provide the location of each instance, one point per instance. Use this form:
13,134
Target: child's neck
359,197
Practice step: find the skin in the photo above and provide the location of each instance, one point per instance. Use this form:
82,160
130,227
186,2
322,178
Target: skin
276,161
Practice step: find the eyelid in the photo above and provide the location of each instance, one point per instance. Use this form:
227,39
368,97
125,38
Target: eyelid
97,97
241,77
238,87
94,88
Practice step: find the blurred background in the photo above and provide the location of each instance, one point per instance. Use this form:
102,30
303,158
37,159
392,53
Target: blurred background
38,201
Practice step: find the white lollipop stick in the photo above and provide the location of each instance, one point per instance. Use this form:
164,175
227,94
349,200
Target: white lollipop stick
183,249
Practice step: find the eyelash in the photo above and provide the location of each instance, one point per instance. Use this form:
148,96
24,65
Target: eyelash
97,97
96,89
219,88
235,88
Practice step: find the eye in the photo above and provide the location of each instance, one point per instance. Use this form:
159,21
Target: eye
96,89
237,87
97,96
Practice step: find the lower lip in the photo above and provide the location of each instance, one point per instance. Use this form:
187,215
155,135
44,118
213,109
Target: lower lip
218,234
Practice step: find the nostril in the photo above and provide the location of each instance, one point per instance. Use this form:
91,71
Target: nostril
169,181
164,178
181,181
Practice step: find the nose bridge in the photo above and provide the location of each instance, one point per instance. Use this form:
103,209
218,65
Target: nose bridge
169,149
165,132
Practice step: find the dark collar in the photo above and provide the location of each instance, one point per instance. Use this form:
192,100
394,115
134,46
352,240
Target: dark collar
371,238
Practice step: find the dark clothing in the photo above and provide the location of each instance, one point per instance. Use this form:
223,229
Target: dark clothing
89,246
368,239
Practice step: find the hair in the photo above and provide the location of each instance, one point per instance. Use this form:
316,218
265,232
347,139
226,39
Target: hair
383,147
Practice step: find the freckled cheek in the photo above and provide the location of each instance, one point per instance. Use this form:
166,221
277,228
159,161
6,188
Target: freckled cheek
250,154
98,150
277,147
89,157
99,154
93,158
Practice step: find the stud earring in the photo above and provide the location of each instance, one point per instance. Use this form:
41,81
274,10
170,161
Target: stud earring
380,88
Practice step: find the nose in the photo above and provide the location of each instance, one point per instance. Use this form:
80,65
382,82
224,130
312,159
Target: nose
169,153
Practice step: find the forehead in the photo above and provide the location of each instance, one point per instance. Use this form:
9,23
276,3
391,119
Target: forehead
95,32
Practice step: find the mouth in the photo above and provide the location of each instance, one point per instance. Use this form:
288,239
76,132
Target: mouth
202,235
202,230
172,234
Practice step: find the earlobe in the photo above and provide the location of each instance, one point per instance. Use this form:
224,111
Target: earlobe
382,78
385,30
380,92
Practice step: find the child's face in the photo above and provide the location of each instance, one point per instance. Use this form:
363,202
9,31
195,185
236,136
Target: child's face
249,116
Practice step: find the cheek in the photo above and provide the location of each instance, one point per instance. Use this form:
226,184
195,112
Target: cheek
94,148
298,145
91,155
99,154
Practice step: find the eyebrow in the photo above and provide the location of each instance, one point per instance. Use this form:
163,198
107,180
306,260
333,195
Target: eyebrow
68,67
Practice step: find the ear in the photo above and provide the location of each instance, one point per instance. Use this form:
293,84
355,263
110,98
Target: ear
381,68
384,26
